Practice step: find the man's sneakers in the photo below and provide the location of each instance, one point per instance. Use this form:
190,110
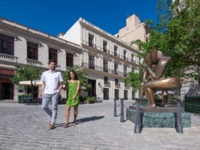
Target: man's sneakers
51,127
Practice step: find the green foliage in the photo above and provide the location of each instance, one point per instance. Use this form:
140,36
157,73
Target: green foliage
177,34
25,95
134,79
82,75
24,73
91,99
156,96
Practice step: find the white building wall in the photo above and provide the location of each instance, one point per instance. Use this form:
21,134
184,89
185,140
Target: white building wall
73,34
44,41
20,46
85,30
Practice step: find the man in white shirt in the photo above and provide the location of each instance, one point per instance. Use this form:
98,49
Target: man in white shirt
51,87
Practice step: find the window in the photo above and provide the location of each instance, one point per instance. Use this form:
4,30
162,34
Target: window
6,44
116,94
132,57
116,69
124,54
106,80
106,94
53,54
105,65
105,46
91,61
125,70
125,95
133,70
32,51
91,40
115,50
116,82
70,60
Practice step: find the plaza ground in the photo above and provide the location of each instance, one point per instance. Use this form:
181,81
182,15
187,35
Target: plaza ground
26,127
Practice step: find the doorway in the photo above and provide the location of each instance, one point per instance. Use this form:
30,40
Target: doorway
106,94
117,94
92,91
6,91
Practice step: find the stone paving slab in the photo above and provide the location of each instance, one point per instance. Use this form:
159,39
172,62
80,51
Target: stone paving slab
24,127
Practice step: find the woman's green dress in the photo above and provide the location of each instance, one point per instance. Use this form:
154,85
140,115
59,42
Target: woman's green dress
72,86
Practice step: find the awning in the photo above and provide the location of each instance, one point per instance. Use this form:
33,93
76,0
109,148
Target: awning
34,82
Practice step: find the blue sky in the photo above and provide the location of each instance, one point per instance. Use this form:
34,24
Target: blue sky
55,16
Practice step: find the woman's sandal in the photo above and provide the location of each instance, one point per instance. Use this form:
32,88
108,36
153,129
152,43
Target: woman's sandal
74,123
65,125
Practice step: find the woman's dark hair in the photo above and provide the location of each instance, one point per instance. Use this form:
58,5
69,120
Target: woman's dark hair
75,75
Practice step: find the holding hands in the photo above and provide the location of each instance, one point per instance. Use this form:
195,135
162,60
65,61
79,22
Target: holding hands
74,97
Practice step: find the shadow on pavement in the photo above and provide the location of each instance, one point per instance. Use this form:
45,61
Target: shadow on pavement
88,119
82,120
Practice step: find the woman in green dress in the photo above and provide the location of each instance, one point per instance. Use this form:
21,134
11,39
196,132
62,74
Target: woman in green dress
72,87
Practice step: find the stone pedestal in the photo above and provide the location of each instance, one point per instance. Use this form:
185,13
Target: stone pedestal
157,119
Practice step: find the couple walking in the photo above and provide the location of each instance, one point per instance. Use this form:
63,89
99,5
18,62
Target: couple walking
51,88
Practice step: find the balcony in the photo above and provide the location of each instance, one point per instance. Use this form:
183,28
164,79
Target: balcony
106,83
93,47
126,58
117,85
105,69
126,86
125,74
118,73
117,55
7,57
98,68
133,61
34,62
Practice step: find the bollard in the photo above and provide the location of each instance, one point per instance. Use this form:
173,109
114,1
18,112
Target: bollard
137,128
179,126
122,110
115,109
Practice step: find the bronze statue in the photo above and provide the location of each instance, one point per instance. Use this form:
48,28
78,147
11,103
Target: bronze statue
156,72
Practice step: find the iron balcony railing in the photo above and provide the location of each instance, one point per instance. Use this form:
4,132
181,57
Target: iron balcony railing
117,85
106,83
109,52
98,68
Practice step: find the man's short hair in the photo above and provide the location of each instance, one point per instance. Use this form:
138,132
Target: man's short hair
50,61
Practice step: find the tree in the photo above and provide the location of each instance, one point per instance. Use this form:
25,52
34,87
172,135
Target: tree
134,79
24,73
177,34
82,75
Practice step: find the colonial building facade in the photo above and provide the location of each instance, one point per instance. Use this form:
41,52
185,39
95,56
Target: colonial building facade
134,30
20,44
105,58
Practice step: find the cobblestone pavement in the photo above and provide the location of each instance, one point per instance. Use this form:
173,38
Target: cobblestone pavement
24,127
